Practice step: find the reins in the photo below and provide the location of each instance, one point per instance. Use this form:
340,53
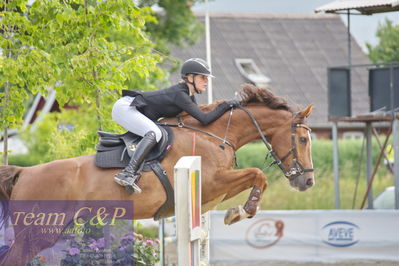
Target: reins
180,124
290,173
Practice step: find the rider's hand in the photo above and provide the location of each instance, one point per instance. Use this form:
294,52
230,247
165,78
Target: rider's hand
233,103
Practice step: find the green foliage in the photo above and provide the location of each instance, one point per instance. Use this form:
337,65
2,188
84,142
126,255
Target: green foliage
28,159
62,135
146,253
147,232
88,51
18,75
176,25
387,50
95,48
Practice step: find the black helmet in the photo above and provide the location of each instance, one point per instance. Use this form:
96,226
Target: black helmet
195,66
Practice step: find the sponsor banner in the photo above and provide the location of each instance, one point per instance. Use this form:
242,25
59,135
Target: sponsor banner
306,236
68,232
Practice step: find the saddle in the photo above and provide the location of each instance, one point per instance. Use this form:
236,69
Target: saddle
115,150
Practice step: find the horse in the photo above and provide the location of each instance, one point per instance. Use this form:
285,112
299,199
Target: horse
263,115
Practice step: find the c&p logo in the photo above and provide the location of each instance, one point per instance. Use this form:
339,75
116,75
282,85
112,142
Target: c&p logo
264,233
340,234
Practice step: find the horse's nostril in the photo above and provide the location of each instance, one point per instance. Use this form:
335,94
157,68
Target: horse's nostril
309,182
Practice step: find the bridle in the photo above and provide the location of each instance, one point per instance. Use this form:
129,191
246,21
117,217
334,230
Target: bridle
290,173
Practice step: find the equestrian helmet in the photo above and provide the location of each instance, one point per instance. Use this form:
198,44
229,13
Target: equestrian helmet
196,66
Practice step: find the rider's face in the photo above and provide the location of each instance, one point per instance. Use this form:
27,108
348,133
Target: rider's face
200,81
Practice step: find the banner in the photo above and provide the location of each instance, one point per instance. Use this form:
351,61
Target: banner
56,232
306,236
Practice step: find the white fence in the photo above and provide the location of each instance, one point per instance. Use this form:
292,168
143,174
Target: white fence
306,236
191,227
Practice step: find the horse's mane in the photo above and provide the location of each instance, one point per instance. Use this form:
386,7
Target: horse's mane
251,94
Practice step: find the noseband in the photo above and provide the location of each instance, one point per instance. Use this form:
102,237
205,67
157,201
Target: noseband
298,168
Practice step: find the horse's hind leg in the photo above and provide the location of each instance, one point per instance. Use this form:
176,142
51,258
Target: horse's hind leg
243,179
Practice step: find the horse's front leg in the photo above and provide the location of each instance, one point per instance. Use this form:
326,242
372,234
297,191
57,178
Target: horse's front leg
238,181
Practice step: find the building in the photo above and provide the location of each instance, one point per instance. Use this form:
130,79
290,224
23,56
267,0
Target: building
289,54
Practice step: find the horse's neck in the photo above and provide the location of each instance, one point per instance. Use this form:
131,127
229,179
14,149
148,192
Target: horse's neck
244,131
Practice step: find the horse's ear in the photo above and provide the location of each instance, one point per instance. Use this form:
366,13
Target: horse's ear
307,111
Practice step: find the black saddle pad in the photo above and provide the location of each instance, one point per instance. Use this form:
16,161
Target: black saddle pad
115,150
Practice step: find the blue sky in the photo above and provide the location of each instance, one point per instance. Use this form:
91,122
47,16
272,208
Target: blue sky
363,28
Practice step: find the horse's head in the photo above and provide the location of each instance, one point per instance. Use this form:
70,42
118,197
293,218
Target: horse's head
292,145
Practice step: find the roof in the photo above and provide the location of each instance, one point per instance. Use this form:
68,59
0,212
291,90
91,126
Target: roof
293,51
366,7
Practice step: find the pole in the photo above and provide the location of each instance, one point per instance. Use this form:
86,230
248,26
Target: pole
205,219
336,163
5,146
162,242
391,89
377,164
396,158
369,162
205,229
349,40
208,51
389,166
349,61
187,180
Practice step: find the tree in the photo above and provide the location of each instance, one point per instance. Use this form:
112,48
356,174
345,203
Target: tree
19,72
88,51
83,49
95,46
176,24
387,50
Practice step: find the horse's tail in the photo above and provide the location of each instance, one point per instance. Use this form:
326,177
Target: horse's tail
8,177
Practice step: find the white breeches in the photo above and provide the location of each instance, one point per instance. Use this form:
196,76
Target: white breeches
132,120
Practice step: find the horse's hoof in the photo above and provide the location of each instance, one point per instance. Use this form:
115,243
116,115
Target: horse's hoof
251,207
234,215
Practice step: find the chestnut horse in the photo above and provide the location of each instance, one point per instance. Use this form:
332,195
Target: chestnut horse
274,121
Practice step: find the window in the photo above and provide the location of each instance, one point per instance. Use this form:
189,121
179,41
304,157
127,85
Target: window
251,72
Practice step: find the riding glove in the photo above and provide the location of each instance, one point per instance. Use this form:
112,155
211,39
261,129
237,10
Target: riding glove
233,103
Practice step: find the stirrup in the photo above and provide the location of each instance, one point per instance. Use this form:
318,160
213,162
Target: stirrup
133,189
129,183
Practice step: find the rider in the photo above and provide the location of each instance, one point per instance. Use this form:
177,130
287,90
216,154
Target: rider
136,111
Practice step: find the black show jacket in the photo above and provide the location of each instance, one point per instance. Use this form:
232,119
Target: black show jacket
169,102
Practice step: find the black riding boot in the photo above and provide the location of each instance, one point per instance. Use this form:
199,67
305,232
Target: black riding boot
129,175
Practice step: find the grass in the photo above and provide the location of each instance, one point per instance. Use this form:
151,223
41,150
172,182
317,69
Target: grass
280,196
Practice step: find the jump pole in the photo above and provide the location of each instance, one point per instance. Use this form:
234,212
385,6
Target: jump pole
187,181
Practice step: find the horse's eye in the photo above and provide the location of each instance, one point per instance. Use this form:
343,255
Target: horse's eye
303,140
